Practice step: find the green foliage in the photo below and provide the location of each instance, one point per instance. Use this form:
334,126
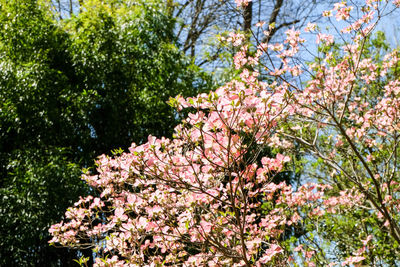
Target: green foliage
38,183
71,90
125,53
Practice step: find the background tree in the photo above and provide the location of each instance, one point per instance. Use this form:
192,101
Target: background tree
200,21
72,89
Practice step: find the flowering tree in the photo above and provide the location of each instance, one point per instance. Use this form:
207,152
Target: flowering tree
210,196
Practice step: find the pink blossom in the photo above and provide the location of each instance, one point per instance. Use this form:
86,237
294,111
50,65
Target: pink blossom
352,259
310,27
326,38
242,3
270,253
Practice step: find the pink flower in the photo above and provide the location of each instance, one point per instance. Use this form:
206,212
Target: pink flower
351,260
261,23
298,248
236,38
119,214
242,3
310,27
270,253
326,38
206,226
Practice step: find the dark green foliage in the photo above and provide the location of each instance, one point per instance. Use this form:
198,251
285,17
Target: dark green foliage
125,55
39,182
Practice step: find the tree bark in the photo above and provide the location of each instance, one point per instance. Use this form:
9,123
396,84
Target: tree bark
248,17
